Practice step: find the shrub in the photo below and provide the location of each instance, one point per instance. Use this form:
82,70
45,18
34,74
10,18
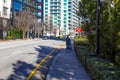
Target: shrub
117,59
11,33
80,40
14,33
18,34
98,68
8,37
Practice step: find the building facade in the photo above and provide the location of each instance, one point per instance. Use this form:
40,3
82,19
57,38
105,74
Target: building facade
10,8
40,11
5,6
29,6
75,17
63,13
35,7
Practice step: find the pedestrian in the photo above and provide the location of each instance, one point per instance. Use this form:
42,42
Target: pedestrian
68,43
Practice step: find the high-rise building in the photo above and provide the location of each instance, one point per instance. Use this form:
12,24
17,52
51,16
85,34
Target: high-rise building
35,7
5,8
75,18
40,11
32,6
4,17
63,13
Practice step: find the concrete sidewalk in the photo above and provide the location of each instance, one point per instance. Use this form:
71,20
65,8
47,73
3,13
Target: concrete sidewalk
66,66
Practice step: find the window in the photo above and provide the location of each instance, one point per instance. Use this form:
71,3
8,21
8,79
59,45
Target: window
55,22
4,1
64,25
69,21
4,22
46,19
46,11
69,17
64,18
46,0
5,11
46,4
65,11
69,2
55,18
46,8
65,28
65,14
64,22
65,3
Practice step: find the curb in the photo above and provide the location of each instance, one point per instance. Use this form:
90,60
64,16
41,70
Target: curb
51,68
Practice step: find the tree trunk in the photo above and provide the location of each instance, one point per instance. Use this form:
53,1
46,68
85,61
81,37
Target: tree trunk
50,32
23,35
27,34
38,34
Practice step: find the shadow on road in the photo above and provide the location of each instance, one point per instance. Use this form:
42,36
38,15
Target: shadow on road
21,69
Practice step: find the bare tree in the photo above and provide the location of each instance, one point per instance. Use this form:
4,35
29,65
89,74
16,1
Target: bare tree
38,28
54,31
24,21
49,25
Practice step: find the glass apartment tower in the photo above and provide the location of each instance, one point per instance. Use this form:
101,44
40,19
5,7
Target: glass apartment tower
27,5
63,13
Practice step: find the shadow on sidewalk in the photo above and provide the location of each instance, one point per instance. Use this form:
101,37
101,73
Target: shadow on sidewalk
66,66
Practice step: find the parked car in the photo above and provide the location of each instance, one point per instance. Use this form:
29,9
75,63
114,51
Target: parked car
45,37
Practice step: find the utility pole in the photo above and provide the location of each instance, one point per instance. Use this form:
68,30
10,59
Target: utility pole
13,17
97,27
59,24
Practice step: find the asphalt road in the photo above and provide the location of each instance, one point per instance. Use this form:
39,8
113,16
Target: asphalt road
18,58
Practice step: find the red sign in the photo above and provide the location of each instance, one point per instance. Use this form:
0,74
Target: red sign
78,30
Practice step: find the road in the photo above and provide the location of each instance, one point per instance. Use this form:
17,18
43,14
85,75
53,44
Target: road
18,58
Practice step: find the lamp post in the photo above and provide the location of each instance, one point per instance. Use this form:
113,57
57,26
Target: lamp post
97,27
13,17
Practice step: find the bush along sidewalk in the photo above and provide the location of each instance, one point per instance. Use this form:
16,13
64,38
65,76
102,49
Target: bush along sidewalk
98,68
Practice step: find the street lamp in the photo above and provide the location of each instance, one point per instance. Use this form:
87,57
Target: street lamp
97,27
12,21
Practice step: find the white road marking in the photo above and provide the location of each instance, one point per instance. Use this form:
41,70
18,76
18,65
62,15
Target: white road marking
12,44
16,52
15,45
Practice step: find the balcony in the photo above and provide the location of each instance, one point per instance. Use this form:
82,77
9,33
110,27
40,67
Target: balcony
56,1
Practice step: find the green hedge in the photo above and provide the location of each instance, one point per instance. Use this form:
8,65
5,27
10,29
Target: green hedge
80,40
99,68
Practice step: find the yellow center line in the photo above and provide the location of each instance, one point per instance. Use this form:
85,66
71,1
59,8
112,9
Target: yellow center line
40,63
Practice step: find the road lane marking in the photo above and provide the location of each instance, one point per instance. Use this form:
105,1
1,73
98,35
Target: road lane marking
17,44
16,52
40,63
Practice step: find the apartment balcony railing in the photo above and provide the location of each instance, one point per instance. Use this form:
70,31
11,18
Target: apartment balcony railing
55,0
55,12
56,8
30,4
55,5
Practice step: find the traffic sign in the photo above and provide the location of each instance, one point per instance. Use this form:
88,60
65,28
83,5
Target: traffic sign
78,30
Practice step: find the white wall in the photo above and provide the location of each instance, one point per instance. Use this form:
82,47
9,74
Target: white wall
7,5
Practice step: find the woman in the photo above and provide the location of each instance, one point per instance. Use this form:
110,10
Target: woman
68,43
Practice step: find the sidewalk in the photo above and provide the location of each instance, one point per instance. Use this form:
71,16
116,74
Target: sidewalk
66,66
